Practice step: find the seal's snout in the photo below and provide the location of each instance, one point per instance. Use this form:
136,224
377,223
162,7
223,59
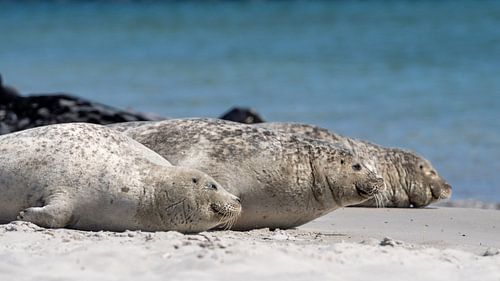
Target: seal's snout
447,186
218,209
366,191
236,202
442,192
372,188
227,212
446,192
230,206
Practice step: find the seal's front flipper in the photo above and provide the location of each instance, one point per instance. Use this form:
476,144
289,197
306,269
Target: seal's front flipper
57,213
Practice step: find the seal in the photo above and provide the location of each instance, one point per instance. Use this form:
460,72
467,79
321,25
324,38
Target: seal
90,177
410,179
282,180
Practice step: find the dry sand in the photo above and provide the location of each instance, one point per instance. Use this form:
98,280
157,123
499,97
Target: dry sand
348,244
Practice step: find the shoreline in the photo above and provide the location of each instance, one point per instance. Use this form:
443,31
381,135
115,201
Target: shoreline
347,244
468,203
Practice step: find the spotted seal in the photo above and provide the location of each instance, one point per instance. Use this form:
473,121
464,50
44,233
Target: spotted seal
282,180
90,177
410,179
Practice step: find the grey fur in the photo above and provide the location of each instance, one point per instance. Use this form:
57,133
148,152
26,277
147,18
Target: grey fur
90,177
283,180
410,179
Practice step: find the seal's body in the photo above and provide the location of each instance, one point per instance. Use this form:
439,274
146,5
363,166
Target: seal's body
282,180
90,177
410,179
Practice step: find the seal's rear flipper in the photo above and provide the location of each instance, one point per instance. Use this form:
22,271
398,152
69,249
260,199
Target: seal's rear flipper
57,213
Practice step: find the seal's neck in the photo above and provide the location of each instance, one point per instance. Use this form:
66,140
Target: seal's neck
395,171
149,214
322,188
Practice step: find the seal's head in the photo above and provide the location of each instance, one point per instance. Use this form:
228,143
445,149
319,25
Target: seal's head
188,200
347,180
421,181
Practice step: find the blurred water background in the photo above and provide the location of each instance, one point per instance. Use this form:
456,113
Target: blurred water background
414,74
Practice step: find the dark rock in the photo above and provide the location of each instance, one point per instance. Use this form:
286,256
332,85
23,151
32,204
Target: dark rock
242,115
7,93
18,112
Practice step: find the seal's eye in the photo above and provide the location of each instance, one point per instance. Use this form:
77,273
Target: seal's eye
342,161
211,186
421,167
195,180
356,167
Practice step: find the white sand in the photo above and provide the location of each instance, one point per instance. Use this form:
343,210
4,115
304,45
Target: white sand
348,244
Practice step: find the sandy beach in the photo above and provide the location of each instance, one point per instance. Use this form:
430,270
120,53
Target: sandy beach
348,244
417,75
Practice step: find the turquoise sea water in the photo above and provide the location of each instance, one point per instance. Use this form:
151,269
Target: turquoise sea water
414,74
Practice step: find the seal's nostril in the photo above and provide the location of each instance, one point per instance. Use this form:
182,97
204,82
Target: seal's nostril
356,167
238,200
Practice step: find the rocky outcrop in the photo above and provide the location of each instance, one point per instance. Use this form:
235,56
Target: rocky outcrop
242,115
18,112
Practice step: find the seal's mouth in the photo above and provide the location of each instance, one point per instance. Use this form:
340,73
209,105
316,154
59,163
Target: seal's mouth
441,192
226,210
436,195
366,192
228,213
446,192
218,209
